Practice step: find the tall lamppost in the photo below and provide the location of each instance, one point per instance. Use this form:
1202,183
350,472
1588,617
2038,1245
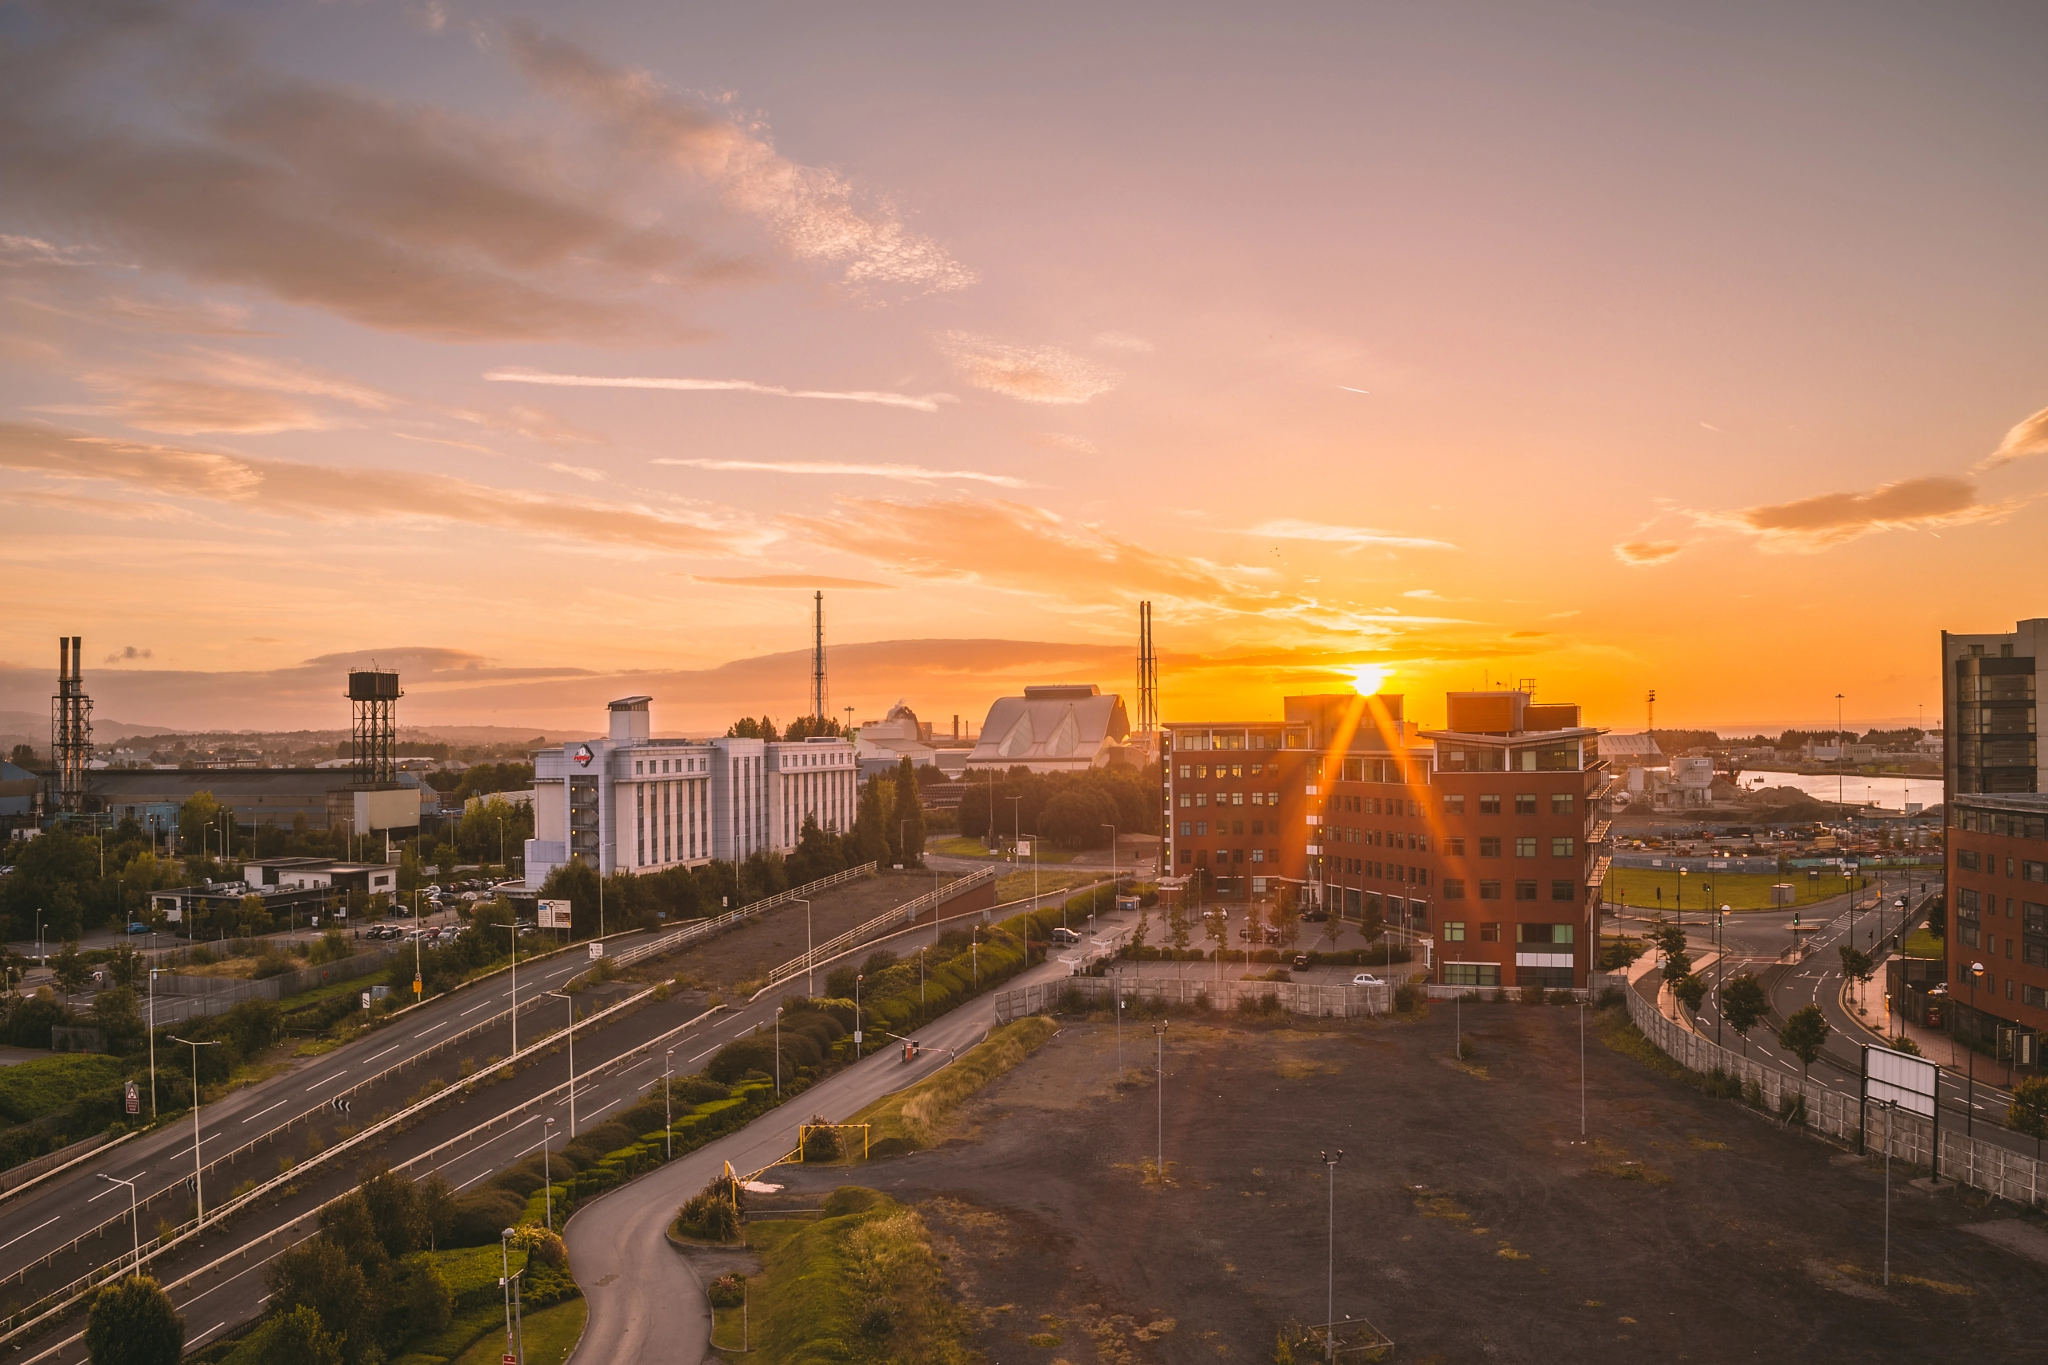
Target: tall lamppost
668,1116
505,1262
152,1045
133,1222
571,1001
198,1195
547,1174
1330,1160
1976,972
1159,1091
1720,972
858,977
1681,900
1113,883
778,1058
514,927
810,967
1015,824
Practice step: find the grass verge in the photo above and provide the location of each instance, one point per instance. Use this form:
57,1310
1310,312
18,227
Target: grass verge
860,1283
29,1090
1639,886
550,1335
913,1117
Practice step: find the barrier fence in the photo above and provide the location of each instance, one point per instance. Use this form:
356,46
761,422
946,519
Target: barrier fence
1970,1161
1290,997
668,943
903,914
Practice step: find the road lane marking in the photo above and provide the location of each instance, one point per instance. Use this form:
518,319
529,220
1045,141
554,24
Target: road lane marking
473,1179
31,1232
261,1112
705,1053
430,1028
192,1341
601,1108
317,1084
385,1053
636,1066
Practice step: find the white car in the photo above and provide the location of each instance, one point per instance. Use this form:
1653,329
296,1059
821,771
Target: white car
1366,979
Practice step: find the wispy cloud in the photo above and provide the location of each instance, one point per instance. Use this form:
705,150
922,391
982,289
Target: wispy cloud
1063,440
1638,552
1032,374
186,407
334,494
1124,341
926,403
1830,519
810,582
907,473
815,213
1355,537
2029,437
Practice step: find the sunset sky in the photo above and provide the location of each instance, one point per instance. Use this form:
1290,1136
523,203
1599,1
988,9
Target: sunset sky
555,351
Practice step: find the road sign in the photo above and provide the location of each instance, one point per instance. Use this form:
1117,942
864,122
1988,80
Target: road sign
338,1104
418,986
366,1000
554,914
596,951
134,1100
1900,1078
508,1359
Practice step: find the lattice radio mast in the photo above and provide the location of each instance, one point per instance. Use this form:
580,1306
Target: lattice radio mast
1148,673
373,698
70,725
819,695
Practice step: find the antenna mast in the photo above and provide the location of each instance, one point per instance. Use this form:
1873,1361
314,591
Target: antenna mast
818,694
1148,673
70,725
1650,715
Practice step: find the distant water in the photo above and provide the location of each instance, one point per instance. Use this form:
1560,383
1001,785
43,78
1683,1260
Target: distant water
1889,793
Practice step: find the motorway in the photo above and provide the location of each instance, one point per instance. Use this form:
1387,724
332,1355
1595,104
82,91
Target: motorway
492,1125
646,1302
1758,942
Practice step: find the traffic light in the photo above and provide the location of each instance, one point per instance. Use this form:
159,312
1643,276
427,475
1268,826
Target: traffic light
1795,919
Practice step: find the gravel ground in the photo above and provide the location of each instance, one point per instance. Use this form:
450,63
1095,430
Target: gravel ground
1471,1222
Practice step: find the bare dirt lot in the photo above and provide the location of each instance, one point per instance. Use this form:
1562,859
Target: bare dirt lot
1471,1224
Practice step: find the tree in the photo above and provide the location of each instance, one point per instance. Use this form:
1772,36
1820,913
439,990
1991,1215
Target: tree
1856,964
1177,927
132,1322
120,1024
1803,1035
870,839
575,882
318,1275
1670,940
24,756
1690,990
1743,1005
1142,932
70,969
2028,1112
1287,919
907,823
292,1337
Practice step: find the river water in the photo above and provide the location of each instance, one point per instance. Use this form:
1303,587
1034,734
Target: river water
1888,793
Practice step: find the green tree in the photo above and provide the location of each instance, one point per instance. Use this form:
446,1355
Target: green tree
70,968
575,882
295,1336
870,839
1690,990
1856,964
1744,1005
23,756
132,1322
2028,1112
1287,919
318,1275
198,824
1804,1035
907,821
120,1023
1670,940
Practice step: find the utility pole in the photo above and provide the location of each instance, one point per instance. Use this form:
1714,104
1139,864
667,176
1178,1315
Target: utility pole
1330,1160
198,1196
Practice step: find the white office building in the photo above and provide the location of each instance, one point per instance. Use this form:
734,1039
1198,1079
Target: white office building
633,803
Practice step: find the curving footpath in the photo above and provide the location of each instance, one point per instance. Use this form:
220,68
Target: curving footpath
646,1304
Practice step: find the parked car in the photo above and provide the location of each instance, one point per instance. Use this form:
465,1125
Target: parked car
1317,916
1061,934
137,927
1300,961
1366,979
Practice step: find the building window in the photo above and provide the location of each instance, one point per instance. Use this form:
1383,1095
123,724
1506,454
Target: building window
1454,888
1187,827
1187,770
1543,933
1489,805
1236,799
1525,803
1186,799
1471,974
1489,891
1967,858
1561,847
1201,798
1489,931
1525,890
1187,855
1258,826
1489,846
1454,803
1525,847
1258,855
1455,846
1202,827
1454,931
1237,855
1564,891
1560,803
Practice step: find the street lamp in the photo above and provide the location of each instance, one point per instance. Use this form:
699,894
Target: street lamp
858,977
1113,884
547,1174
514,927
152,1045
1975,972
1159,1091
668,1117
778,1056
810,967
1720,971
563,995
1681,900
198,1195
505,1261
1015,825
132,1217
1330,1160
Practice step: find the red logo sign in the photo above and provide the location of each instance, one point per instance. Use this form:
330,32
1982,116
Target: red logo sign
583,755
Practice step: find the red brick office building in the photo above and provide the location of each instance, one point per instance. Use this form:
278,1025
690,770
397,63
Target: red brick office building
1237,807
1998,910
1520,839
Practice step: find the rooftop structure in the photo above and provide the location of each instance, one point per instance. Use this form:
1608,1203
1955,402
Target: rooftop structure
1062,727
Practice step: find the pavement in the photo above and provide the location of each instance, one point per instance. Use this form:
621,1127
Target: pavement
646,1302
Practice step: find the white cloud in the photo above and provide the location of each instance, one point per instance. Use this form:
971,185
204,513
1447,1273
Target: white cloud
927,403
907,473
1355,537
1031,374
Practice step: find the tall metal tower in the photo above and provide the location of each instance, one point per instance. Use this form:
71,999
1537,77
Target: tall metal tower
1650,711
818,693
1148,673
70,725
373,698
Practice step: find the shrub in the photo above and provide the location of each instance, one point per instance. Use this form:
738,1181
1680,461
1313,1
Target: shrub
1753,1094
1532,995
1610,998
1406,999
714,1212
1905,1045
1563,998
849,1199
1721,1086
728,1291
481,1217
821,1143
1500,995
1792,1109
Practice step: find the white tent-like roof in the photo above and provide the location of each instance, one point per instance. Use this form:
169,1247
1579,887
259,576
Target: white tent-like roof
1054,728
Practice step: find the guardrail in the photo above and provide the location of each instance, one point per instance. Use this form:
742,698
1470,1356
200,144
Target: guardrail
1293,997
905,912
701,928
1967,1160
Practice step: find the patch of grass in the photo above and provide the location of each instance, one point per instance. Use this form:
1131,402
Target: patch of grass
1508,1253
1016,886
1638,886
860,1283
550,1335
913,1117
958,846
1439,1204
1045,1339
1297,1070
1707,1145
1920,943
29,1090
1619,1035
1617,1163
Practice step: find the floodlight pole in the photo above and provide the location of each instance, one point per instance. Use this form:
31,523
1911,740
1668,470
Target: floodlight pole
198,1194
778,1056
547,1168
133,1223
570,1000
668,1116
1159,1036
1330,1282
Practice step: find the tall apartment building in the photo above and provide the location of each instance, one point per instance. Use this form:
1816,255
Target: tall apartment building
633,803
1237,802
1991,736
1998,891
1520,839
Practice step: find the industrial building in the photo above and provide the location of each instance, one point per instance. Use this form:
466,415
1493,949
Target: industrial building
633,803
267,796
1055,728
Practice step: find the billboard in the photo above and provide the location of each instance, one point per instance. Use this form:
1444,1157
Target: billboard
554,914
1901,1079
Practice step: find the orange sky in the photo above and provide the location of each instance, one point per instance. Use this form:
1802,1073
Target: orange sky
1660,348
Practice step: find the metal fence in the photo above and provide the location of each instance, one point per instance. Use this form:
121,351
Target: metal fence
1967,1160
902,914
1289,997
703,928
